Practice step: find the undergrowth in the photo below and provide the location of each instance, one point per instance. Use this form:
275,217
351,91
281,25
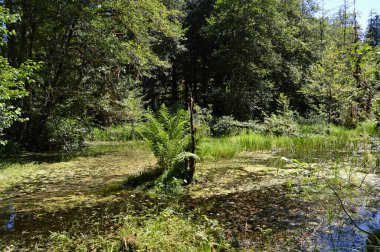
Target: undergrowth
114,133
170,230
339,140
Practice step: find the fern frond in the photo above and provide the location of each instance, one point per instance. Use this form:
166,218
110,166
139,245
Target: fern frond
168,136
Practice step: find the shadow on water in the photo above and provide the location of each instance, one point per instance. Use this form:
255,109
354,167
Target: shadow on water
145,178
373,241
91,150
345,237
243,215
7,219
23,229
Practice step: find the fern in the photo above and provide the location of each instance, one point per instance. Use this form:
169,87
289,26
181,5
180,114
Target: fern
168,136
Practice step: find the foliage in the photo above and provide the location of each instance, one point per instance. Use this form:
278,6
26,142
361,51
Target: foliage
95,54
330,87
104,61
114,133
228,126
373,30
225,126
308,145
202,121
251,64
66,134
12,80
283,123
170,230
169,138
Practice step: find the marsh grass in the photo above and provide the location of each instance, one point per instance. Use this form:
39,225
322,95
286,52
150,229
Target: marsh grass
339,140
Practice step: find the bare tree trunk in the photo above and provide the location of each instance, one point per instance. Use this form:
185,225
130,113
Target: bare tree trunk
192,132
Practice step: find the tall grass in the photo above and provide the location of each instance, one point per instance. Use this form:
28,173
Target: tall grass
339,140
168,231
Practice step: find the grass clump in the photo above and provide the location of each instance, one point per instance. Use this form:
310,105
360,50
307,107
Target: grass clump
170,230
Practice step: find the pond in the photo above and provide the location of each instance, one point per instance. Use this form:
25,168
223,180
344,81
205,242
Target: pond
259,205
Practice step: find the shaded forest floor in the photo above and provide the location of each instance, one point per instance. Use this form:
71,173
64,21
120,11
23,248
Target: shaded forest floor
259,201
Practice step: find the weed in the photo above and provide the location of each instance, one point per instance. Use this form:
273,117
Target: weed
170,230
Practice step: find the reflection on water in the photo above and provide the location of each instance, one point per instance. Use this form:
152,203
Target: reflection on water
342,236
345,237
7,218
373,242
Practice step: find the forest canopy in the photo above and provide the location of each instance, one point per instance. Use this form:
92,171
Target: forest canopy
70,66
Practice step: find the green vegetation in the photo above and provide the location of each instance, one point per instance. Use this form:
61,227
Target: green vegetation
12,80
114,133
178,125
168,231
104,63
313,139
169,138
103,187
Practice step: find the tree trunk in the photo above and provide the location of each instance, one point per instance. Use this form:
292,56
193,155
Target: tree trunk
192,132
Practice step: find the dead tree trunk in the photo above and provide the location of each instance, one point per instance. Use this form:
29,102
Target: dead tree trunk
192,132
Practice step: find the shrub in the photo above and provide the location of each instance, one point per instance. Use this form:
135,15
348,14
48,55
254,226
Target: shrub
228,126
281,125
225,126
202,120
168,136
12,148
66,134
284,122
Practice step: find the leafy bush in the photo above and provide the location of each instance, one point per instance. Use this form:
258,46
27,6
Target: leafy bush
228,126
225,126
66,134
281,125
168,136
202,120
10,149
284,122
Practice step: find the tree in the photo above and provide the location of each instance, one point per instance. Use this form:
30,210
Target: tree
330,86
261,50
364,63
12,79
373,29
95,53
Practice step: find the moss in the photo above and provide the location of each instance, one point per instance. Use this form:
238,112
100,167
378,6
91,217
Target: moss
80,176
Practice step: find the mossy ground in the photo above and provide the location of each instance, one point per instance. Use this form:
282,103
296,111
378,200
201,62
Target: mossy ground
33,186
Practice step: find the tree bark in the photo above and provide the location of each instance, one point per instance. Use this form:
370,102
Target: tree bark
192,132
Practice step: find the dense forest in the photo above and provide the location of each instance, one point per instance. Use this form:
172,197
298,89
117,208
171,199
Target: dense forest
68,66
196,80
